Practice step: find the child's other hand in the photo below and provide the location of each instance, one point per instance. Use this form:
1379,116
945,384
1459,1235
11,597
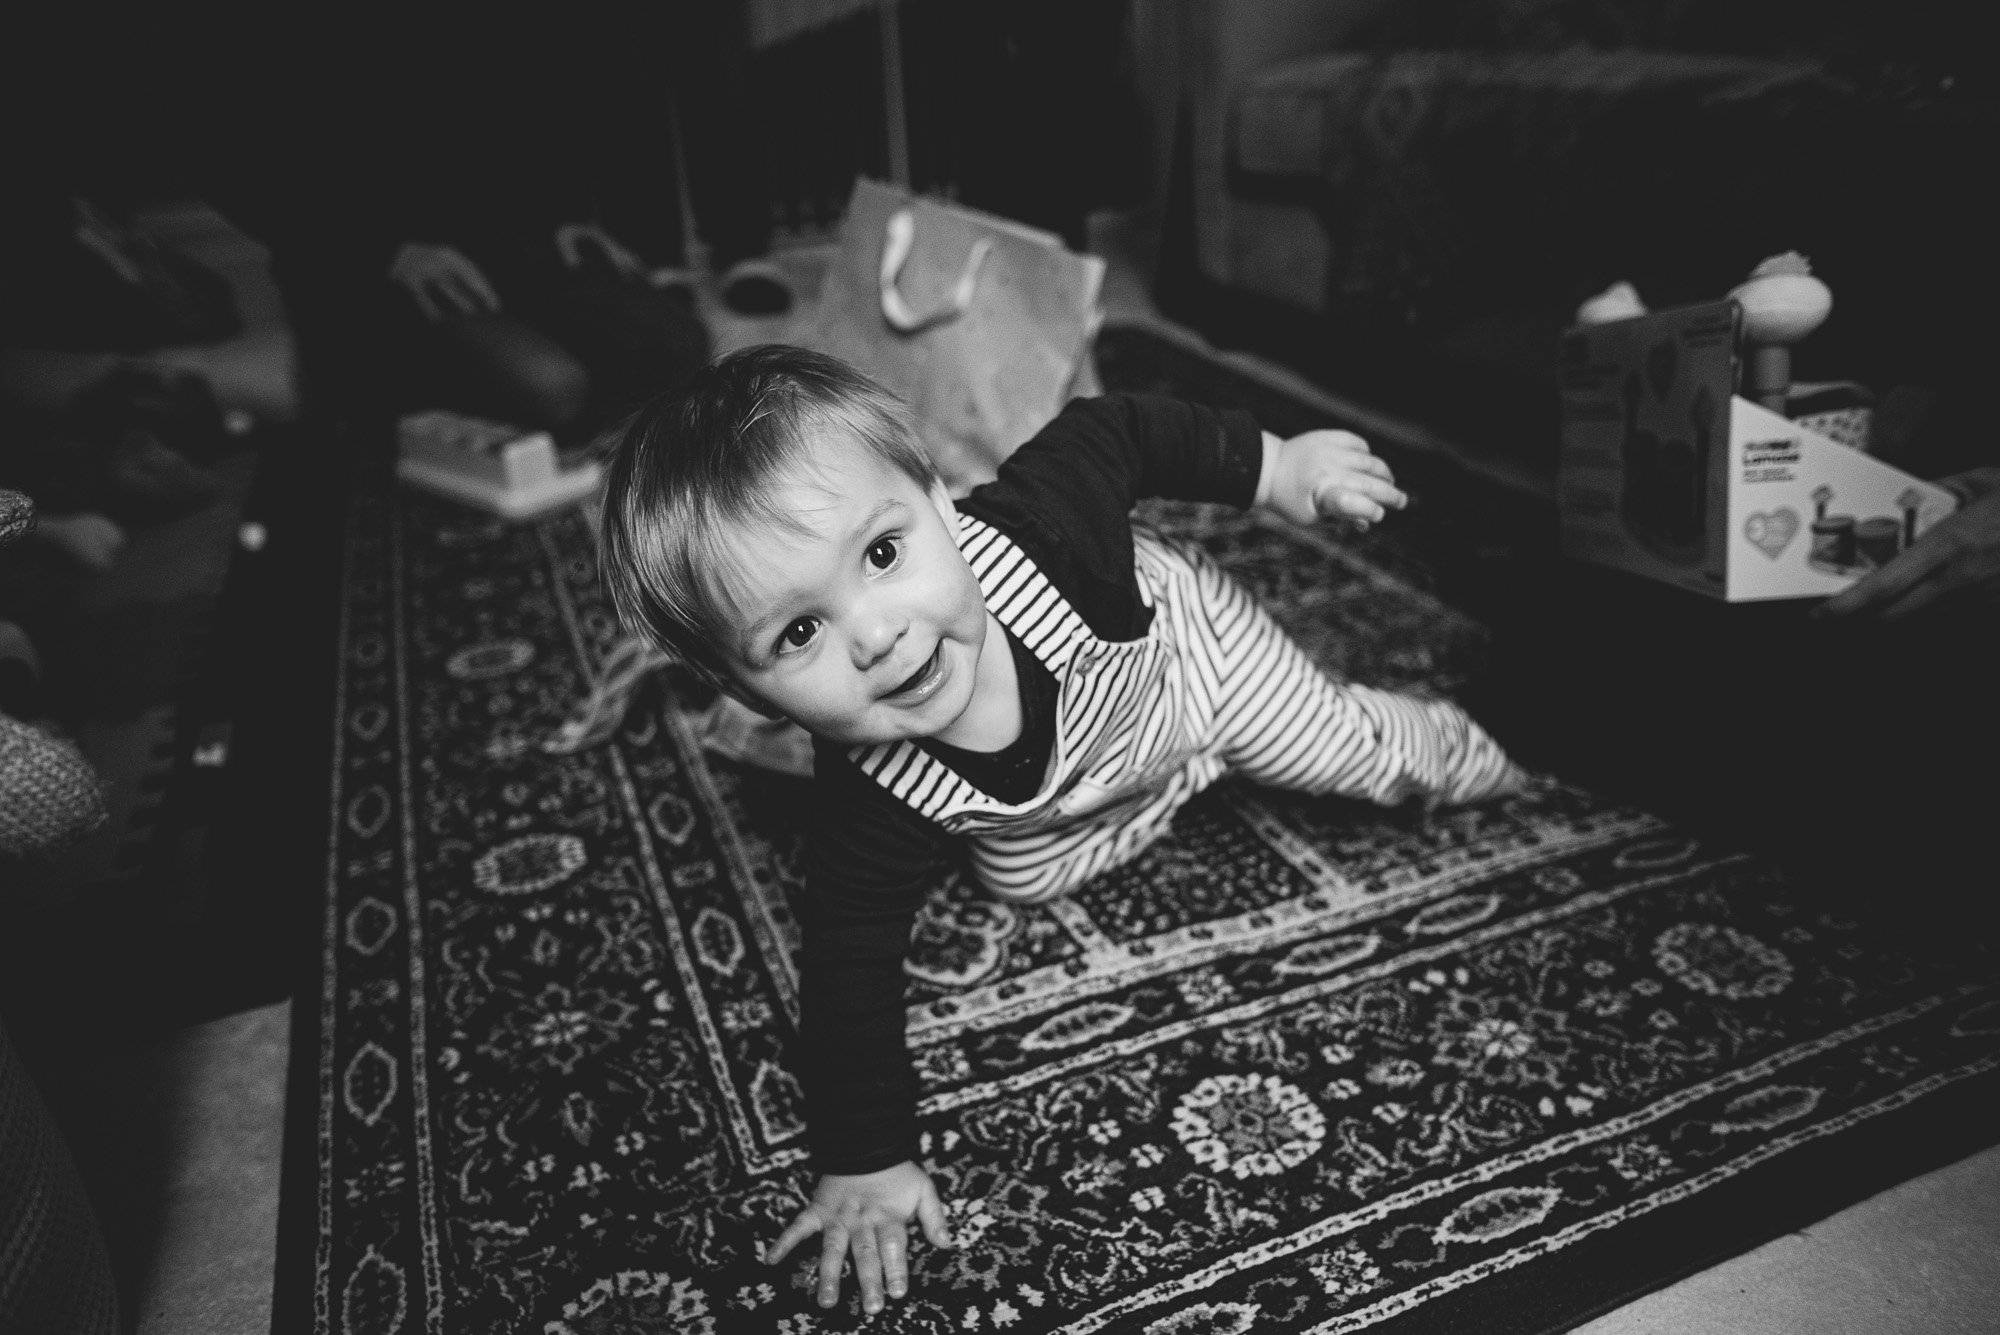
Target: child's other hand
866,1215
1326,475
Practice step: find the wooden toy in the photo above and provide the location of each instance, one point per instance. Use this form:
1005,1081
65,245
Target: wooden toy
490,465
1782,303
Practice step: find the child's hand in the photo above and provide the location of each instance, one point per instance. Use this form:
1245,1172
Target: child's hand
1326,475
866,1215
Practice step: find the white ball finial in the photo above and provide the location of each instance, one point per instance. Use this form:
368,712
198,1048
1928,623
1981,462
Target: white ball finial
1782,302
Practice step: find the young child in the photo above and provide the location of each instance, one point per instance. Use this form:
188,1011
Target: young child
1021,674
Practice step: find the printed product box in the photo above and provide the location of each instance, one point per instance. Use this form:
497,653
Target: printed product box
1667,473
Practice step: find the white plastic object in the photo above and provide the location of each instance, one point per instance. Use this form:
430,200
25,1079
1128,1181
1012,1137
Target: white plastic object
491,465
899,240
1620,301
1782,301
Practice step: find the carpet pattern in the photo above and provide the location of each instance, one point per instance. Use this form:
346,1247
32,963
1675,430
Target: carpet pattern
1306,1066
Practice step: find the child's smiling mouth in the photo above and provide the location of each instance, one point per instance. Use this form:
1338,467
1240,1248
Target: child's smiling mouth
922,683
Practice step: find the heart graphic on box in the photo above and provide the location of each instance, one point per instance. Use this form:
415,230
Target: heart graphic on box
1772,533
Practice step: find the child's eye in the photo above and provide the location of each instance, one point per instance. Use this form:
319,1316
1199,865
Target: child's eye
799,634
883,553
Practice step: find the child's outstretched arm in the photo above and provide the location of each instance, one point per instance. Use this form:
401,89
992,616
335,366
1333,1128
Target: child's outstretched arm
870,862
1396,746
1326,475
867,1216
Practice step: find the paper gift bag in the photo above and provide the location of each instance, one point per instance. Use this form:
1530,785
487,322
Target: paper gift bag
982,325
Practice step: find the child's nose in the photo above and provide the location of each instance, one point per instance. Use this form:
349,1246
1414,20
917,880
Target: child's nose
875,638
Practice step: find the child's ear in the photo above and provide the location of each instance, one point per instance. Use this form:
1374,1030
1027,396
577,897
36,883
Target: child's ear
942,502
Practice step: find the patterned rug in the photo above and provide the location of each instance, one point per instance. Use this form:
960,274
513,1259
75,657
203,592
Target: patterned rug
1306,1066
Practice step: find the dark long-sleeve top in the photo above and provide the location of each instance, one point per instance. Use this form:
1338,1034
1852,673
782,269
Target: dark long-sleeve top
1065,499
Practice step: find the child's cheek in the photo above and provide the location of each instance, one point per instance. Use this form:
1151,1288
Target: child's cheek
971,610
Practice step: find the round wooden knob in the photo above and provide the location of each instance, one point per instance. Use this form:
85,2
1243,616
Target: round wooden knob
1782,302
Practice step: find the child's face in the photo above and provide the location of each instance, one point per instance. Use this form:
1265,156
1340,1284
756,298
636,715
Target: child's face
867,626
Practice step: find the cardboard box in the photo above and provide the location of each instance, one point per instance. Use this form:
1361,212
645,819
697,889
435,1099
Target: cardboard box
1667,473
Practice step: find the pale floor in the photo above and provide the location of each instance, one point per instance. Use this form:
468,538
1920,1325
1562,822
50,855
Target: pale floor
208,1104
184,1162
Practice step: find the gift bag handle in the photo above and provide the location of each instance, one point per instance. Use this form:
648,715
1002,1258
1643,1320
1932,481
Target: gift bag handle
900,240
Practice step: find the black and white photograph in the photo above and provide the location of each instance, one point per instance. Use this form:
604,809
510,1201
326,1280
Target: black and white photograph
1114,667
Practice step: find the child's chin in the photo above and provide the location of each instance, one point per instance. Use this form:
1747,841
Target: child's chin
880,732
913,726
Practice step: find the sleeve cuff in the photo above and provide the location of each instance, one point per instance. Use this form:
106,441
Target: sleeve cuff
1242,458
848,1165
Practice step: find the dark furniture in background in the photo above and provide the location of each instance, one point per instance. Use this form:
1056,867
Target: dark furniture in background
1024,109
1407,201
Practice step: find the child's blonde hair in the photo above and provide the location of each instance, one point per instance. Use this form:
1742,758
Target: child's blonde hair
698,461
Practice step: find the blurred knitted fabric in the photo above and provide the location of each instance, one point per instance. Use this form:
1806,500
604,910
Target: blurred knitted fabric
54,1273
49,795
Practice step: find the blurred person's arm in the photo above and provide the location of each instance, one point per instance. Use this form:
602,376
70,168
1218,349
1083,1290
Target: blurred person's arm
1957,559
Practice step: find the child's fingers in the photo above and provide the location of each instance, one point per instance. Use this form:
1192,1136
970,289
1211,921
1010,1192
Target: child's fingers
893,1240
1370,464
801,1228
1343,440
1344,502
832,1256
1379,490
867,1253
930,1213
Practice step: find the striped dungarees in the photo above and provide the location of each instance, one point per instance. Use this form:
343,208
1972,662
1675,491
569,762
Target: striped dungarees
1143,725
